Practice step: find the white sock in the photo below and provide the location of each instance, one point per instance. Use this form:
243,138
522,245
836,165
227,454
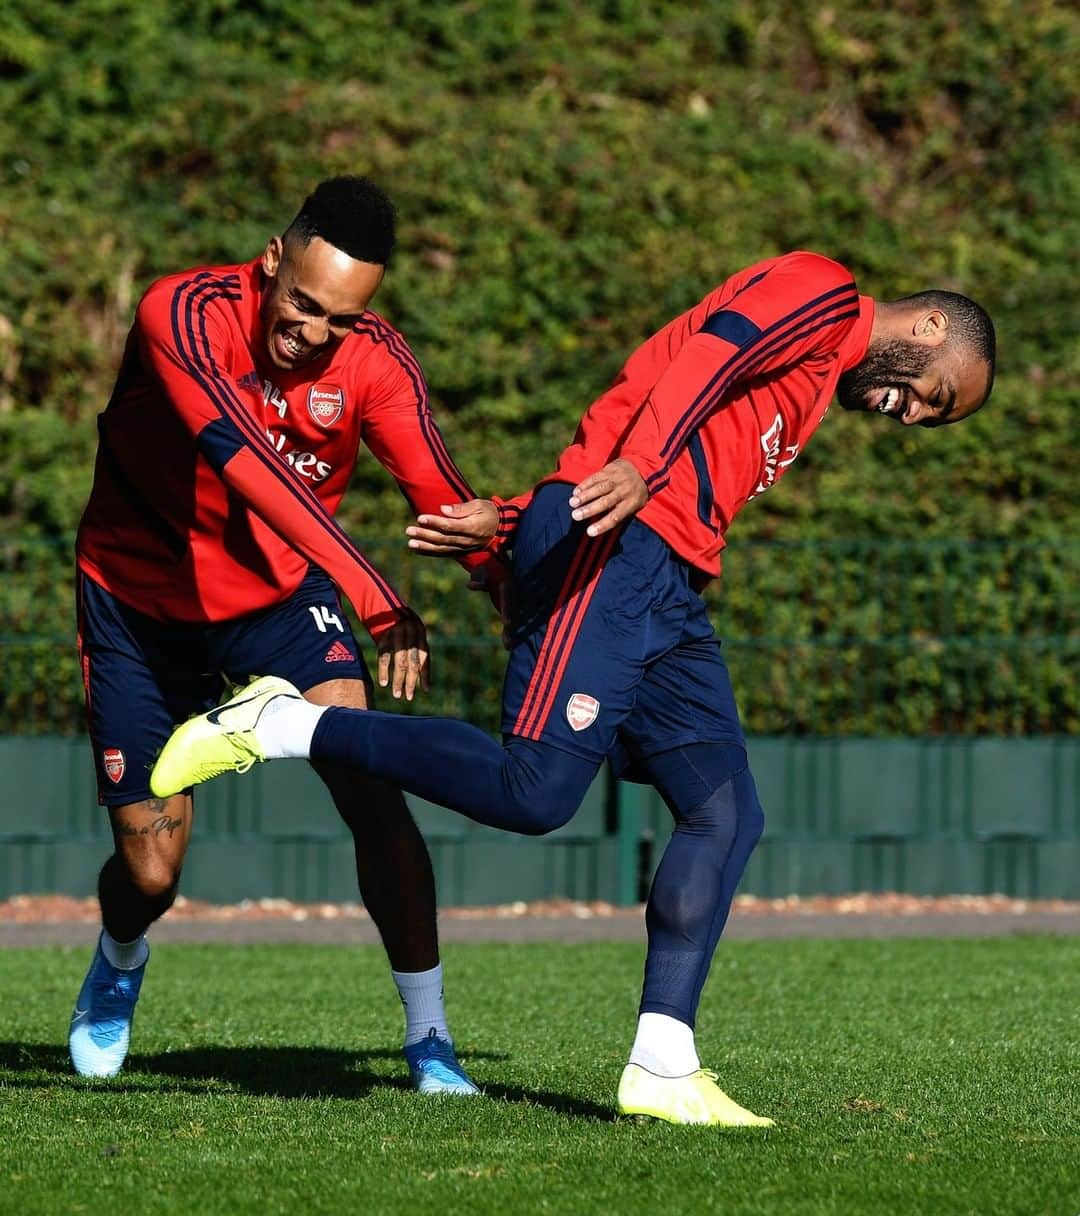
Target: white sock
124,956
421,994
664,1046
285,727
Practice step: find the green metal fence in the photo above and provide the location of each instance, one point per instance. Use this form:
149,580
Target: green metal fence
913,712
928,816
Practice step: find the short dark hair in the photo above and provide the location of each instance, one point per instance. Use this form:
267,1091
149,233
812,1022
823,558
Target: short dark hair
969,324
352,214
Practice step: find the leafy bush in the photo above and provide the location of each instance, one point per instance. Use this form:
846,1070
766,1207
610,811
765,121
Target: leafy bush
568,178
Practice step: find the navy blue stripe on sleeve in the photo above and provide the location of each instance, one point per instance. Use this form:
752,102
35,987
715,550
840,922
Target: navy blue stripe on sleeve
705,497
219,442
191,297
732,326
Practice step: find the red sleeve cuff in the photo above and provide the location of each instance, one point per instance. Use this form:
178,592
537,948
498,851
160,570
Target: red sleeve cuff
386,618
509,517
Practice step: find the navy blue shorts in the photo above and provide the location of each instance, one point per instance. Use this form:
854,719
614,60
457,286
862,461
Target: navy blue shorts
142,677
613,652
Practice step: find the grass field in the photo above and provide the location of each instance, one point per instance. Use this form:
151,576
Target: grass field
905,1077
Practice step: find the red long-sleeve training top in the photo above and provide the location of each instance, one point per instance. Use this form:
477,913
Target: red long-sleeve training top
218,474
716,406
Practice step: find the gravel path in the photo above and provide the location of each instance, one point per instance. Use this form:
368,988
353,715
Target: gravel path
42,921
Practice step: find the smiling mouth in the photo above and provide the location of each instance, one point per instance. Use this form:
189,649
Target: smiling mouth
892,403
292,347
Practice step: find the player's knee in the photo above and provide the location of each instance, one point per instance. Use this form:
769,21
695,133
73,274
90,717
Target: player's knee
731,812
751,814
157,882
540,818
544,786
541,811
154,876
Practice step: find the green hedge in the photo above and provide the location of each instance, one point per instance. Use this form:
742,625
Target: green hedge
568,178
822,637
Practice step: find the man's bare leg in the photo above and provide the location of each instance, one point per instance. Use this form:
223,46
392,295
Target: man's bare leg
137,884
397,885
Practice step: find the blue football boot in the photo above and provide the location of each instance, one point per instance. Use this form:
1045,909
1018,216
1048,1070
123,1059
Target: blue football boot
101,1022
434,1068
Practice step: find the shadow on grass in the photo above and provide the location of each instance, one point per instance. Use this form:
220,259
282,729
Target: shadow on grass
275,1072
563,1104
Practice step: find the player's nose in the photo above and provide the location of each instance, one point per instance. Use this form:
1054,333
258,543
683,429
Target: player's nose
315,331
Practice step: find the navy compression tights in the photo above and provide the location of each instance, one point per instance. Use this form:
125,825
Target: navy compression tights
531,788
718,820
524,787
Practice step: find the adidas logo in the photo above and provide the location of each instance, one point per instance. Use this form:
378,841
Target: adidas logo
339,653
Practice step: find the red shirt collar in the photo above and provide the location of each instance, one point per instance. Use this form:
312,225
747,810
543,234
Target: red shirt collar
854,346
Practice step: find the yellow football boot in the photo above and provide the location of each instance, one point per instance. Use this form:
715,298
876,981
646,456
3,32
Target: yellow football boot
692,1099
221,741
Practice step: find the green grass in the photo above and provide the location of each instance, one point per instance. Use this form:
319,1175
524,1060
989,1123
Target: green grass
905,1077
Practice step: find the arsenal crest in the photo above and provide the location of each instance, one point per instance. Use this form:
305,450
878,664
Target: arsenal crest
326,403
581,710
113,761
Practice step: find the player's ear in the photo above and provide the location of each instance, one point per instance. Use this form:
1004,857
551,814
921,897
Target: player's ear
931,327
271,259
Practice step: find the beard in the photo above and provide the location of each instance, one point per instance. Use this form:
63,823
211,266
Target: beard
889,363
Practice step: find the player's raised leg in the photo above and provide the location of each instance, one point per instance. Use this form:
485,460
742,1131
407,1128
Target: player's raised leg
524,787
570,682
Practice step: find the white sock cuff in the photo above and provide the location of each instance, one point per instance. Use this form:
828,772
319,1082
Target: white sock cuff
285,727
664,1046
416,981
124,956
421,995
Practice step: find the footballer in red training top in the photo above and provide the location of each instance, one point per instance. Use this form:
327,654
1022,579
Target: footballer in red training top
224,453
208,554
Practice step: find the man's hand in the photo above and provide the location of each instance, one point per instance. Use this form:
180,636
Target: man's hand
404,657
463,527
609,497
